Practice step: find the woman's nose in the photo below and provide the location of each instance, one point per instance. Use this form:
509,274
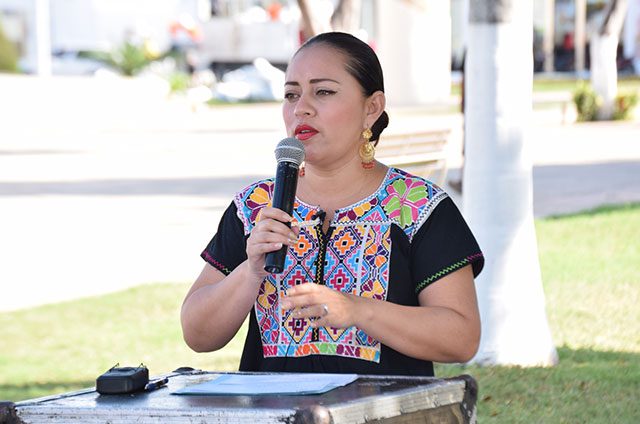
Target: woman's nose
303,107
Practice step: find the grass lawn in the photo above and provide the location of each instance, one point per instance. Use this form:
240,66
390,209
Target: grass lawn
591,270
626,84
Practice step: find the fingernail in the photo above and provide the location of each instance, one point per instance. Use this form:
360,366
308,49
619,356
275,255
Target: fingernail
277,245
285,305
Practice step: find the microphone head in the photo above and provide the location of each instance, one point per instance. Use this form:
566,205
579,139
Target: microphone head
290,150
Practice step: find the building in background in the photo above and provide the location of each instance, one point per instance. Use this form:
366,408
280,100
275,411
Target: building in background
418,41
411,37
562,30
89,25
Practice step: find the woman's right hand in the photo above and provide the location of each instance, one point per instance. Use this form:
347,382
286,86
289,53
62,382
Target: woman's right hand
268,235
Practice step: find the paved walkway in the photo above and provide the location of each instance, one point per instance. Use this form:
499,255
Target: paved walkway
100,191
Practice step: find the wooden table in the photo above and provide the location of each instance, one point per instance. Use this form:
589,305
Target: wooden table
378,399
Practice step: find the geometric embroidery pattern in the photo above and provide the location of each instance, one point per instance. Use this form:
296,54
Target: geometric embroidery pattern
447,270
356,260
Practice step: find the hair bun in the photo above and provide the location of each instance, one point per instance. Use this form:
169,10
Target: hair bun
379,126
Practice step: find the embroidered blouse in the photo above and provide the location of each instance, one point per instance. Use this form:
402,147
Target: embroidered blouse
390,246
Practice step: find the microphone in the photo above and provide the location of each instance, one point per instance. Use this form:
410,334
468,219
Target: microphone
289,155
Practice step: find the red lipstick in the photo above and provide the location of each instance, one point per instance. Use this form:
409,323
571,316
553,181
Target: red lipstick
305,132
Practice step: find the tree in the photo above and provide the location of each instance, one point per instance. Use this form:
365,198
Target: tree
603,49
345,17
42,36
498,193
8,54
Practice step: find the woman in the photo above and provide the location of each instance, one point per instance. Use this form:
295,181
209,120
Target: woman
379,272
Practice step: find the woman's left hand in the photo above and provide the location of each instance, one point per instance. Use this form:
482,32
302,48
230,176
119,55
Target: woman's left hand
323,306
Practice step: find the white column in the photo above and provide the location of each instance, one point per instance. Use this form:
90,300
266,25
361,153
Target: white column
631,37
603,48
580,34
414,47
604,71
549,34
42,31
498,194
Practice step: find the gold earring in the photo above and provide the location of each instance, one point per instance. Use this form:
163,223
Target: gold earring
367,150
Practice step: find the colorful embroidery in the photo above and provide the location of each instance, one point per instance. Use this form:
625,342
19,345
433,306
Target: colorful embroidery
466,261
220,267
405,199
354,260
251,201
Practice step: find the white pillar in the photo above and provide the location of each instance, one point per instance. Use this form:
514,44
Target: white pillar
580,35
631,35
42,37
603,48
604,72
414,47
549,34
498,193
459,24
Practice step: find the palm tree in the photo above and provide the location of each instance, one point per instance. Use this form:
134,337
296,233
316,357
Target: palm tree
345,17
498,194
603,49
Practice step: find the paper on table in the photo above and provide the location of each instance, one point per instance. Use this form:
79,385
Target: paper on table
269,384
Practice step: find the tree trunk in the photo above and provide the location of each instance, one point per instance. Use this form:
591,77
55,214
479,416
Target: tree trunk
580,35
310,27
346,17
549,34
498,193
42,38
318,16
603,50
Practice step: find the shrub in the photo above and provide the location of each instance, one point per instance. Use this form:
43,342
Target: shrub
624,105
179,81
587,102
8,54
129,58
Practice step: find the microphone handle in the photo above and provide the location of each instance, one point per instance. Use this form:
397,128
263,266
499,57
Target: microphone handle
284,195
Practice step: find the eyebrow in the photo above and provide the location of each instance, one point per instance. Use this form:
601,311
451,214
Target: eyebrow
312,81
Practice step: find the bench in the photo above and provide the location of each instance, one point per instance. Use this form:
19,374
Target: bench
420,153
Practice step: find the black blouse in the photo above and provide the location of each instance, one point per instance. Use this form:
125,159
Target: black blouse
390,246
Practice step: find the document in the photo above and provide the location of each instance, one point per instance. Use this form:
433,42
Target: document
269,384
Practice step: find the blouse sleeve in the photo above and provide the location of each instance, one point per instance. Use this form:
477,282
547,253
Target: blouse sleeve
443,245
227,248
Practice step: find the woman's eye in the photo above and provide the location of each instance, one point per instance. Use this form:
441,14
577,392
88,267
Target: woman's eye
290,96
325,92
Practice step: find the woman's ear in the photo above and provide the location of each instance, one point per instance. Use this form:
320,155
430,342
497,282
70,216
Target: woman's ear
375,106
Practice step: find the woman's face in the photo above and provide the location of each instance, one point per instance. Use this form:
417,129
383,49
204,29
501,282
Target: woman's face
324,106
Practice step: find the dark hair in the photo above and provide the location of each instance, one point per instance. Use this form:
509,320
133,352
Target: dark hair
362,63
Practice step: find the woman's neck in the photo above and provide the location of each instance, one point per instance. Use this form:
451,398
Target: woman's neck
339,188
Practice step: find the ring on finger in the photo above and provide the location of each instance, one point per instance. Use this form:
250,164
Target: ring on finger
325,308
